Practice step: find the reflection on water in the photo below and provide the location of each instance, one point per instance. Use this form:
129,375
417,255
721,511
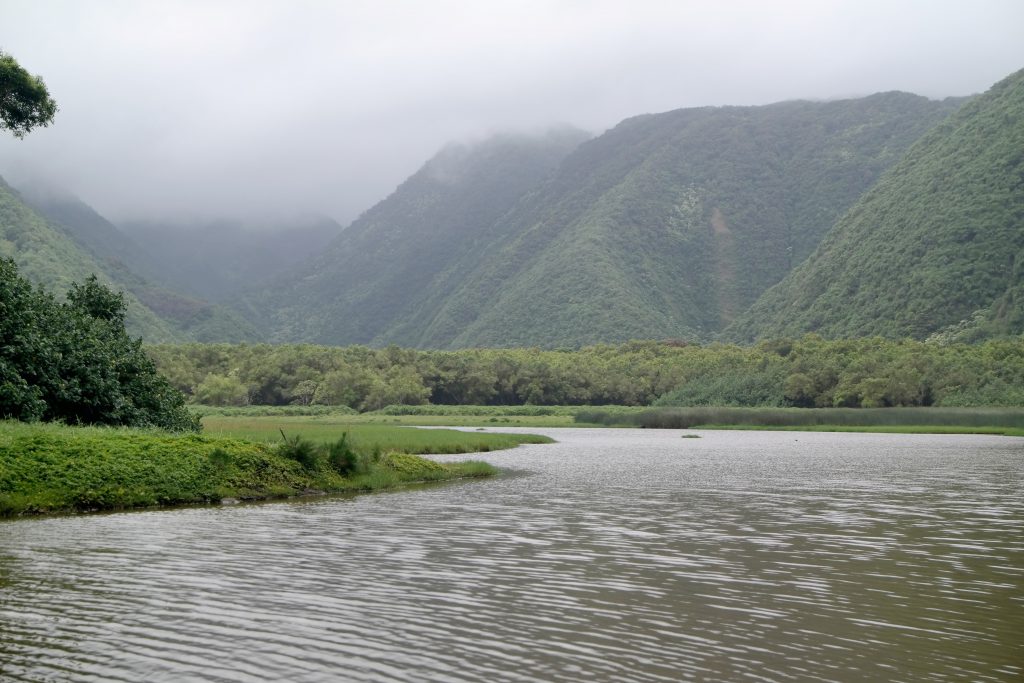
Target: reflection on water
612,555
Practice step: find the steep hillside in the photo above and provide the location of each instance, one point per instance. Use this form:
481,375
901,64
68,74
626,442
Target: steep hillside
47,255
377,281
668,225
133,269
937,246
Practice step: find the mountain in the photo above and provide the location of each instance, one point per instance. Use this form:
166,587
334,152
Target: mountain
47,220
378,280
216,261
936,247
668,225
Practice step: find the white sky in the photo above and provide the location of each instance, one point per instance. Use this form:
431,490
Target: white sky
248,108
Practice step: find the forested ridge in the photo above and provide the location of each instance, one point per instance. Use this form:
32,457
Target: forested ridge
668,225
936,247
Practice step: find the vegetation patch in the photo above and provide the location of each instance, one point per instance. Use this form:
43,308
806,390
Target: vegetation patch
46,468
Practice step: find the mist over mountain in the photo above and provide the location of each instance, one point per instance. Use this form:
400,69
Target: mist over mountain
57,239
47,255
668,225
937,246
220,259
883,215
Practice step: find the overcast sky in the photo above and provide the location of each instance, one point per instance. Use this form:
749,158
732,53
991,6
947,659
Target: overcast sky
244,108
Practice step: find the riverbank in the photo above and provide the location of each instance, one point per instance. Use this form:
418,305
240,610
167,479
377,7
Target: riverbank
47,468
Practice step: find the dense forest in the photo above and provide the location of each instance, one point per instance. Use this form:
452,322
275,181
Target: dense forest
810,371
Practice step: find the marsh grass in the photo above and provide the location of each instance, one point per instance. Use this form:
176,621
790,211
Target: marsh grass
935,420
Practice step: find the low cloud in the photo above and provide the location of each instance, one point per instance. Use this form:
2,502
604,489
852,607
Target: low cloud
248,109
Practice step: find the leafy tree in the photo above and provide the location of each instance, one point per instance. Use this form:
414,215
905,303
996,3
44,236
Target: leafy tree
96,301
75,362
222,390
25,103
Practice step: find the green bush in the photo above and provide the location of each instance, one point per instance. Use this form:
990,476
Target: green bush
344,460
74,362
302,451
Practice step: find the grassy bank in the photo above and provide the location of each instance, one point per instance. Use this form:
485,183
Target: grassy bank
52,468
1009,421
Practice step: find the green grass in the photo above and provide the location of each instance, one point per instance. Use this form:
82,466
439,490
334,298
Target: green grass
47,468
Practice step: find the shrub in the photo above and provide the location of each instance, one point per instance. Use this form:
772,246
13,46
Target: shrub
302,451
344,460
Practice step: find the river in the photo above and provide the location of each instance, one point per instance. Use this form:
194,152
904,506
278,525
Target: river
612,555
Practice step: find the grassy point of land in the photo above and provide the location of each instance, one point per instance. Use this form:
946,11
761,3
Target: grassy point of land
48,468
363,435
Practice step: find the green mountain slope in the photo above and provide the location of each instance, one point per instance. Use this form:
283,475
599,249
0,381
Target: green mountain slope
939,240
377,280
668,225
129,267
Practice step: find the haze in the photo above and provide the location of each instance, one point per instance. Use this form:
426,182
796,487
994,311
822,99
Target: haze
173,110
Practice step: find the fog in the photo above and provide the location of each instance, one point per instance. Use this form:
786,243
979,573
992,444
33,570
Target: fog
178,110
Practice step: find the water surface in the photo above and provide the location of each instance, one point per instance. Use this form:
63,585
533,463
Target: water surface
613,555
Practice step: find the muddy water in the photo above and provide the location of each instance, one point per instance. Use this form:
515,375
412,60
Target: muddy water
613,555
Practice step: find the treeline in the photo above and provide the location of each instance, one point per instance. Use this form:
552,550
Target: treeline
806,372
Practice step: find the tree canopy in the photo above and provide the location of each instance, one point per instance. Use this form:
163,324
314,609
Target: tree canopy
25,103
